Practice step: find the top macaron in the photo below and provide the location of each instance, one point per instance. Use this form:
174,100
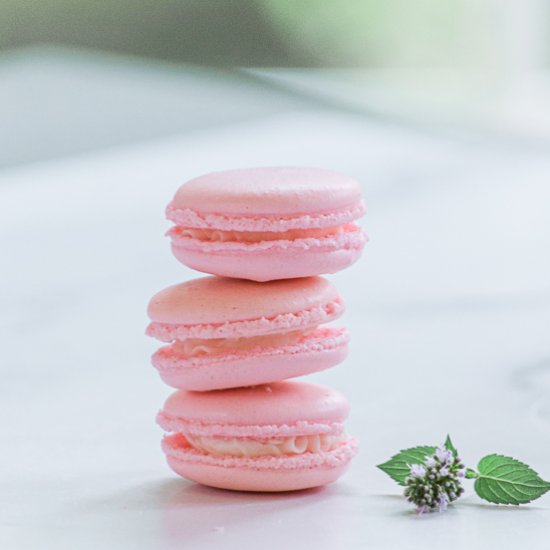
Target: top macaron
267,223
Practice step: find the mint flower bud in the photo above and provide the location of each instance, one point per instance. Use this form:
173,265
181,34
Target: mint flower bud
436,483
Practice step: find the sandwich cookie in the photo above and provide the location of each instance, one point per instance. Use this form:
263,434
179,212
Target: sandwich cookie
279,437
267,223
225,333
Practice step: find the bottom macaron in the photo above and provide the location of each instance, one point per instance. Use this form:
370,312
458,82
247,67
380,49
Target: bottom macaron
284,436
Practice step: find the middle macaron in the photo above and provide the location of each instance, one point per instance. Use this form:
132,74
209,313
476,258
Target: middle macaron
226,333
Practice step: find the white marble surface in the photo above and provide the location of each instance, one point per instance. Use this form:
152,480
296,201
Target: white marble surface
449,311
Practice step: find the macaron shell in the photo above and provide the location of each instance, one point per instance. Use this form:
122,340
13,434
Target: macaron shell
214,307
285,262
214,300
326,348
256,480
270,474
288,407
271,191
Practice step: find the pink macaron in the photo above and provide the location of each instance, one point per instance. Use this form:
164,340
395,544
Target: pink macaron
225,333
279,437
267,223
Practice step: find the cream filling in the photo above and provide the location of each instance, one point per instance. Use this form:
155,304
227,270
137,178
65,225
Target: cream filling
197,347
216,235
252,448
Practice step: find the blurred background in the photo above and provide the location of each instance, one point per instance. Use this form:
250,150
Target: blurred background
500,35
67,66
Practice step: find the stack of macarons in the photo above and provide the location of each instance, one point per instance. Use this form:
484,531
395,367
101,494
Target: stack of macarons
235,338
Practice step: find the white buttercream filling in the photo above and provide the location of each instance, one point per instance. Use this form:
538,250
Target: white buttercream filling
216,235
197,347
251,448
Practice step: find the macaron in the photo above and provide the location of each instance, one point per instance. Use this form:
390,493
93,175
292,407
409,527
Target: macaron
279,437
267,223
225,333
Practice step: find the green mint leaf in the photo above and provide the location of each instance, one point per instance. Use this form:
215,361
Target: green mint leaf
505,480
398,466
471,474
450,447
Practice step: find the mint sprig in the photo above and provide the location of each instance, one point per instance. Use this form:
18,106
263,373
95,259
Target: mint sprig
425,469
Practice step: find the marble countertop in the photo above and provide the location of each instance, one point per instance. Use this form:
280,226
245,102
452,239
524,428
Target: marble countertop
449,312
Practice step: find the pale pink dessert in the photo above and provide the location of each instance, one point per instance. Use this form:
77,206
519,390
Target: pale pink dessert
225,333
268,223
279,437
